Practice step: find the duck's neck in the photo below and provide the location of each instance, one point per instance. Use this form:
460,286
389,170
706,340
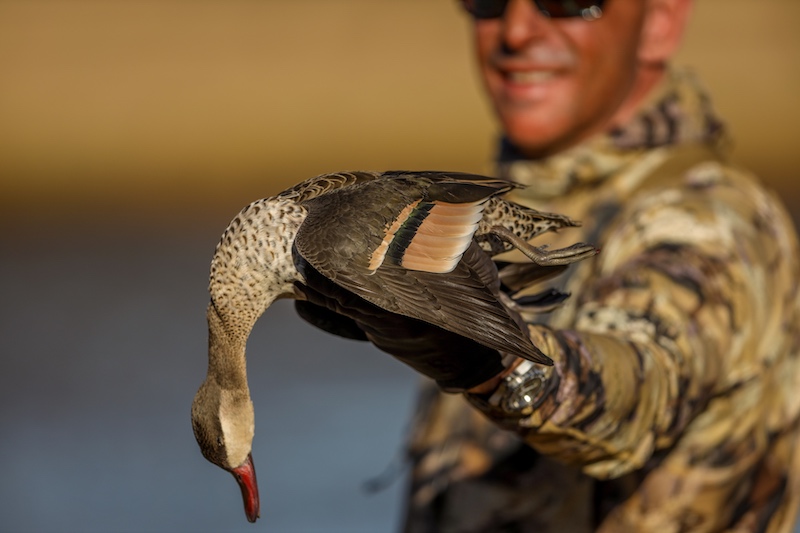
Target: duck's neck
253,264
251,268
227,363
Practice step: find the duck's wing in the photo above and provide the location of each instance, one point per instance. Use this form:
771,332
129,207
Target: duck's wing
325,183
405,244
419,220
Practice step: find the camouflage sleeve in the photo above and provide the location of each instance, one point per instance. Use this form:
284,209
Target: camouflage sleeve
689,299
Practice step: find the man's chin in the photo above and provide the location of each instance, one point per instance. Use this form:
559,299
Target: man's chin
536,138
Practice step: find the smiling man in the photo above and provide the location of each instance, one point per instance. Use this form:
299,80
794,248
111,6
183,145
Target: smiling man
672,404
554,84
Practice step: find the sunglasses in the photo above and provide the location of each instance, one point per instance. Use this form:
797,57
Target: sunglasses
557,9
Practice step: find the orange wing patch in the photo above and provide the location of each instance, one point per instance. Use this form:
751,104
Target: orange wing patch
379,254
442,237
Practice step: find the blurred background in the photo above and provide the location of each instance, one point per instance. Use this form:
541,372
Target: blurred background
131,132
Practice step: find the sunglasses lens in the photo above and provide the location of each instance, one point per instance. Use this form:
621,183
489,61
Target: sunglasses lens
588,9
486,9
489,9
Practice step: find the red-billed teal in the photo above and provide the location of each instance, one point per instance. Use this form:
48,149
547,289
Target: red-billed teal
417,244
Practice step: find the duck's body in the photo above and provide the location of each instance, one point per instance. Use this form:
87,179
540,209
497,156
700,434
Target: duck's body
412,244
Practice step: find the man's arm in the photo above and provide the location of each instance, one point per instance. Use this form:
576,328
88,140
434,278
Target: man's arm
667,319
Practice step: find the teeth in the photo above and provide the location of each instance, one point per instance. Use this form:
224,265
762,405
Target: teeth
533,76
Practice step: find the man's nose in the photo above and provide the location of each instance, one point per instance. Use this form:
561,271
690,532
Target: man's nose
522,23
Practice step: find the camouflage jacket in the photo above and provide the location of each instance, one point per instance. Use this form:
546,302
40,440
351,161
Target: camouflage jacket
674,401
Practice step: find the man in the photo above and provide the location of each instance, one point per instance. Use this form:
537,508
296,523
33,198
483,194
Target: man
671,405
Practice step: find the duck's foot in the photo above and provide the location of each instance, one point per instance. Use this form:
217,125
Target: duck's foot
542,256
541,302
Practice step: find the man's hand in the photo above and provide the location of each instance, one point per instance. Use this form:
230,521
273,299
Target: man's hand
456,363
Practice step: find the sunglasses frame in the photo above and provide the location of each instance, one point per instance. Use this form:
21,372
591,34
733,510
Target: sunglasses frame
593,12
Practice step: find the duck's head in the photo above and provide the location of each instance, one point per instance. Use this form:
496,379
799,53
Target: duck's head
224,424
252,267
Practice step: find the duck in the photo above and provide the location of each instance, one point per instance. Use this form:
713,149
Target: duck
418,244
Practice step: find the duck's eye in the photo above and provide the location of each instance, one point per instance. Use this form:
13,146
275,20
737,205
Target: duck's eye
219,441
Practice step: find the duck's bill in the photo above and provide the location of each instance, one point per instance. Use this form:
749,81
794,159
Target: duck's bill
246,478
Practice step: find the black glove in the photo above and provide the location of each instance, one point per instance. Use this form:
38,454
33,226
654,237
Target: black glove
456,363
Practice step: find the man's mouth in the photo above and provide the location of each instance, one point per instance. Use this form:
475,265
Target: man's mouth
526,77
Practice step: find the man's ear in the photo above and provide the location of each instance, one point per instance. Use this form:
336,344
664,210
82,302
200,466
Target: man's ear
662,31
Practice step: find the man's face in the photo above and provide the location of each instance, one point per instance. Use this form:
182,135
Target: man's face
554,82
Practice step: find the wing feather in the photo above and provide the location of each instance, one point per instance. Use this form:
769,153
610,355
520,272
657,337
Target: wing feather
405,243
459,302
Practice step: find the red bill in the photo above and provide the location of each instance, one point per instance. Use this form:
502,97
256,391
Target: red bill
246,478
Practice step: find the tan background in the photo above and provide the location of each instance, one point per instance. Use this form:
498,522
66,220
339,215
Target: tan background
131,131
170,106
